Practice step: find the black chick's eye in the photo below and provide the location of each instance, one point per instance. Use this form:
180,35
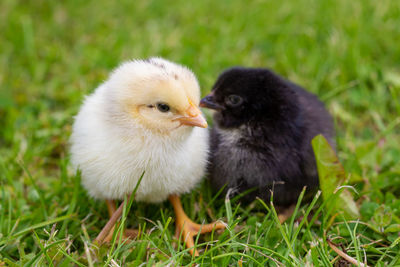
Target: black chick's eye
162,107
234,100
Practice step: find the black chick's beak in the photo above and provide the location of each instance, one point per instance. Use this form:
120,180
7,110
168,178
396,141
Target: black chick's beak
208,102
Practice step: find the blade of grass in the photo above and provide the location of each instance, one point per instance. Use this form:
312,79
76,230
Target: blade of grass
238,254
50,262
126,205
296,209
73,202
31,262
69,257
345,256
42,224
279,225
305,217
40,193
117,214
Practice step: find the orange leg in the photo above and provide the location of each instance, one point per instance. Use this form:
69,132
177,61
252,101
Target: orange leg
111,207
108,230
187,227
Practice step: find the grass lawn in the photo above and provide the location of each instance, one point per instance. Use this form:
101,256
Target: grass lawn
53,53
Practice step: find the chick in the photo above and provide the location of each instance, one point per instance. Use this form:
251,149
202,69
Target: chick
261,138
144,118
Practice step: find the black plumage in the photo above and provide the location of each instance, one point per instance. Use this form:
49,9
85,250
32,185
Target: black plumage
261,137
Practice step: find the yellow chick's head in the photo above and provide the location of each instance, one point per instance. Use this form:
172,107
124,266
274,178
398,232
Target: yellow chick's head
157,94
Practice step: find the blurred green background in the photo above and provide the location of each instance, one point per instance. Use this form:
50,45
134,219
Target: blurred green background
52,53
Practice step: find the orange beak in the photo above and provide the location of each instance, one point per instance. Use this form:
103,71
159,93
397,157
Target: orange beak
193,117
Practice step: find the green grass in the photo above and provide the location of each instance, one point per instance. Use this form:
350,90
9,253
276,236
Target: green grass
52,53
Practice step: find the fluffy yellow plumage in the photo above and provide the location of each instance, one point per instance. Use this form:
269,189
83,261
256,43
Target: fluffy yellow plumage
142,118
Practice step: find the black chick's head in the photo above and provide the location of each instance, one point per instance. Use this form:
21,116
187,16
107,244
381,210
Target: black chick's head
247,95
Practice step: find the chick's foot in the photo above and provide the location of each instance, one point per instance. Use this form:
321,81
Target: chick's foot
187,229
106,234
128,234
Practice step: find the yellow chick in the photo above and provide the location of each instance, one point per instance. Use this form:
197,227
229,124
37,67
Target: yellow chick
144,118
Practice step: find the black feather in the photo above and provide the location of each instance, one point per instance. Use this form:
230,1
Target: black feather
264,142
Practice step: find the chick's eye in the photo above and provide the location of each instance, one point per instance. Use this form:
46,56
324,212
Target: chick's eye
234,100
162,107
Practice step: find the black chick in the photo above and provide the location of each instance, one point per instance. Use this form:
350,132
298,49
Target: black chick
261,138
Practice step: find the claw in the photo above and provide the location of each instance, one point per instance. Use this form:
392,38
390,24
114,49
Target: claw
187,229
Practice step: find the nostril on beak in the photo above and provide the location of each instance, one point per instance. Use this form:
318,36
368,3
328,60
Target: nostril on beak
210,98
208,102
207,99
